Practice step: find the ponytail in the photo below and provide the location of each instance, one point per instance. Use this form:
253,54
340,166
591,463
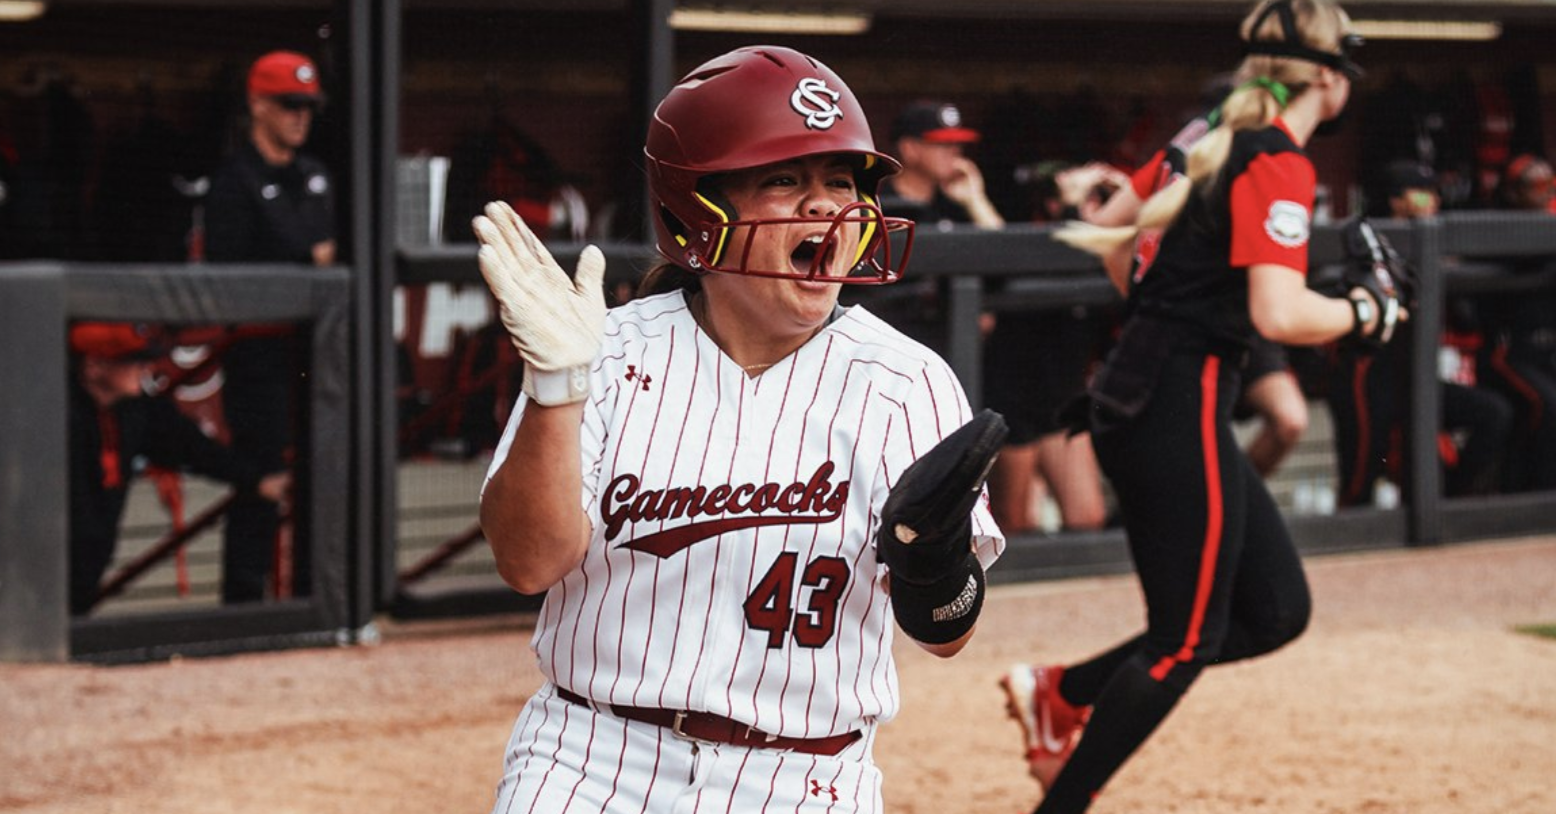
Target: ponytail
1101,241
1252,105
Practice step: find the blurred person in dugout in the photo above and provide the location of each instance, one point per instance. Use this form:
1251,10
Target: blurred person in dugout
939,187
1518,359
1026,360
117,428
939,184
1037,361
1273,396
1528,185
1369,391
269,203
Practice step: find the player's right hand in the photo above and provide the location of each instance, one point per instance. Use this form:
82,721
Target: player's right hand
555,321
965,184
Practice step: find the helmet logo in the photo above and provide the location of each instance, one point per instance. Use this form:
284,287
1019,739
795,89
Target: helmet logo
817,103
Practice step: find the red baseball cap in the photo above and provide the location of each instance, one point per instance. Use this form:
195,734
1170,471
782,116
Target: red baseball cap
934,122
123,341
285,73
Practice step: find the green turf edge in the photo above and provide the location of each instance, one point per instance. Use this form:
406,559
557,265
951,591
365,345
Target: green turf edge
1547,631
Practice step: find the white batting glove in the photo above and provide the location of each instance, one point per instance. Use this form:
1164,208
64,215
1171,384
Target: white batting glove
555,321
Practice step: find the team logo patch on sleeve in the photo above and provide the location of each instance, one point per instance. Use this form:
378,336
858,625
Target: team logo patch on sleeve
1287,224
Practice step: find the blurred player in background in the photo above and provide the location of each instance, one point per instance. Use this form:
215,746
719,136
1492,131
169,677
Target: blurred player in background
115,426
1221,577
1518,358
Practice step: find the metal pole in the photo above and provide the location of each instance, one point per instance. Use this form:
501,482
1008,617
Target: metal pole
1425,414
656,67
34,465
964,351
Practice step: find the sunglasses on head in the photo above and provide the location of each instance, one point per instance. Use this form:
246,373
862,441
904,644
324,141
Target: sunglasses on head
297,103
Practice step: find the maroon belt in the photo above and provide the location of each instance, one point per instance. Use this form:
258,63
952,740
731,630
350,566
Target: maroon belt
705,726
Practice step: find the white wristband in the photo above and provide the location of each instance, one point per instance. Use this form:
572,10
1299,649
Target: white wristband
1362,311
553,388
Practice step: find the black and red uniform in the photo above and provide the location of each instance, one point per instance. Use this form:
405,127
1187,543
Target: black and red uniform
1368,399
1221,577
107,446
1518,362
1264,357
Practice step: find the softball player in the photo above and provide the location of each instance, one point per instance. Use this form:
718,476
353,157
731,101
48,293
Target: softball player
1221,577
696,479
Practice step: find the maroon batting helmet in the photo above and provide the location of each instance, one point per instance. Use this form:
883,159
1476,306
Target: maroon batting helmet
754,106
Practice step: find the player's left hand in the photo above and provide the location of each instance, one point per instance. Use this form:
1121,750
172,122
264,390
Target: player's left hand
926,524
1376,274
277,488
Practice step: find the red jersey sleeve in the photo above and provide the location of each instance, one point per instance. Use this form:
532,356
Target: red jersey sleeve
1272,211
1148,178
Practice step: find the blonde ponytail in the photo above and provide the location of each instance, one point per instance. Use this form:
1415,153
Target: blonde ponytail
1100,241
1253,105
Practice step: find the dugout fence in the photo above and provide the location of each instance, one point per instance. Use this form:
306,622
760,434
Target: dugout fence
1460,252
37,302
1469,252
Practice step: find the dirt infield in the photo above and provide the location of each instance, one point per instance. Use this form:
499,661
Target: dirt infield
1409,694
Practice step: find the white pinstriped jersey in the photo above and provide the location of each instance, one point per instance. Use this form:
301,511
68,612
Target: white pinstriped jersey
732,565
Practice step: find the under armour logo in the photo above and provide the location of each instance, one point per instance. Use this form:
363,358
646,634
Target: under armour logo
816,789
817,103
642,379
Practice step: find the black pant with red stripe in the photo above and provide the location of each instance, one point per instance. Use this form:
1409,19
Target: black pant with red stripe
258,401
1368,403
1221,577
1523,371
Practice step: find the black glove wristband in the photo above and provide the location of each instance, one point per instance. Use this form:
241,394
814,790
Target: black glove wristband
944,610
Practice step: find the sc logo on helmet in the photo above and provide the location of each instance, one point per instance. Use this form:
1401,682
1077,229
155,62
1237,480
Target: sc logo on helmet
817,103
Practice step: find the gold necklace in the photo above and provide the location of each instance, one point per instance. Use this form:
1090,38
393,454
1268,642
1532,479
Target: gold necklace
700,314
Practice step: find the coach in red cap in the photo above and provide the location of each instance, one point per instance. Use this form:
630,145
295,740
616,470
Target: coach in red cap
938,184
271,202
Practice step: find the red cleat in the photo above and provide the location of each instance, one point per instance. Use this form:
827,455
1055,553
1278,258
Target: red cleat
1050,726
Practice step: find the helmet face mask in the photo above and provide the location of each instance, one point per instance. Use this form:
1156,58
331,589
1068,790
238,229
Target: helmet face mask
750,108
870,263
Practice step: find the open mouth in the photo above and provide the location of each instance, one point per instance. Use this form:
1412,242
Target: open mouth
814,255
